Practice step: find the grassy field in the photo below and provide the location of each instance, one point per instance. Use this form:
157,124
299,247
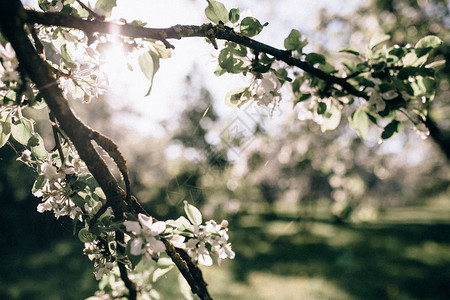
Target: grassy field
405,254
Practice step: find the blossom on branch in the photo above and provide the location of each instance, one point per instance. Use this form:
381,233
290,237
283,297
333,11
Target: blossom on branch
145,232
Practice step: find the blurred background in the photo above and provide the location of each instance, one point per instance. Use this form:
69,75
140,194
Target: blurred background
312,215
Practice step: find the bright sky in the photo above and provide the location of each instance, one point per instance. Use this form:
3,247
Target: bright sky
167,91
282,15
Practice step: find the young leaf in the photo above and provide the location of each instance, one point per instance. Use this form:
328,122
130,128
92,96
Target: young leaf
378,39
38,183
250,26
333,121
149,64
216,12
38,148
233,15
296,84
67,57
391,129
302,97
85,236
193,214
321,108
426,44
315,58
106,6
233,97
5,127
360,122
350,50
294,42
22,131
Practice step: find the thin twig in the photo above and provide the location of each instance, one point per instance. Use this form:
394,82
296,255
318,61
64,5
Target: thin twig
56,137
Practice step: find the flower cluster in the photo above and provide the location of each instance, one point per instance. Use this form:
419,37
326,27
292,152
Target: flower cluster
202,242
144,234
265,90
53,187
210,239
102,263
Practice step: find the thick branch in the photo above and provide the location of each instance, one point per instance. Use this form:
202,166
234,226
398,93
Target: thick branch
11,21
12,18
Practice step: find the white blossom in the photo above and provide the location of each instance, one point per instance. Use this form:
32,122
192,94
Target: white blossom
265,91
145,232
212,236
9,64
422,130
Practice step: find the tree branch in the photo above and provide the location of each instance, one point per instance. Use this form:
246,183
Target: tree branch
12,18
209,31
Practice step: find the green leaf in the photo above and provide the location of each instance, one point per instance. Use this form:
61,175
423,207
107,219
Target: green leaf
294,41
216,12
67,58
78,200
162,51
296,84
426,44
327,68
391,129
106,6
282,75
321,108
22,131
233,97
315,58
10,96
386,87
233,15
360,122
99,192
398,52
350,50
85,236
362,67
5,127
250,26
350,66
219,71
149,64
302,97
436,64
193,214
38,149
160,272
333,121
378,39
411,59
406,72
372,118
226,59
237,49
259,68
38,183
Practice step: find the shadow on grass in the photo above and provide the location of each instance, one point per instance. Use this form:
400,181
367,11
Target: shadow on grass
380,261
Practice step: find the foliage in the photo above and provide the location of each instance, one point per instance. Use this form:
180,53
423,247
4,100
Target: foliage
125,243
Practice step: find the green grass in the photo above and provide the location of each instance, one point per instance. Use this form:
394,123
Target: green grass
403,255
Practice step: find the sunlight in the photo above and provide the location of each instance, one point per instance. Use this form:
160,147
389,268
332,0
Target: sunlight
114,62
